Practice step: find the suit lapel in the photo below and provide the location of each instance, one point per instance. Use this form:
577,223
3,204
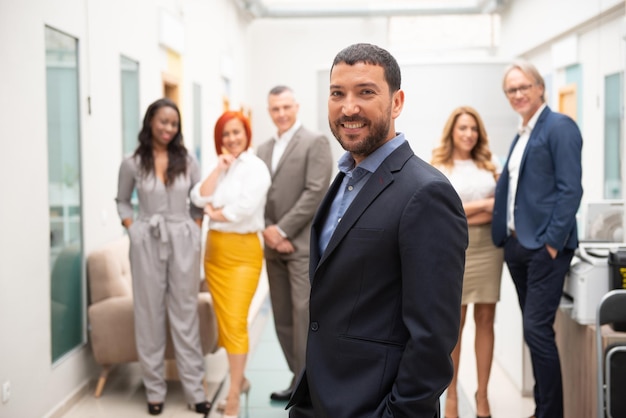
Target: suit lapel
505,169
265,154
375,185
534,134
320,217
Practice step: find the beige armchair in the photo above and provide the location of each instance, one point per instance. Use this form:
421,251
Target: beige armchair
110,312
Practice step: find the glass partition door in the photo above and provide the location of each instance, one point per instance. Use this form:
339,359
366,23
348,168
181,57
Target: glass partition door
130,104
64,193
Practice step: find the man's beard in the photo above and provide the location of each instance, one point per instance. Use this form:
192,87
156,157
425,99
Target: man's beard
376,137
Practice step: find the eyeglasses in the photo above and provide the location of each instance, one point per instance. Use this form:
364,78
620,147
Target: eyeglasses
522,89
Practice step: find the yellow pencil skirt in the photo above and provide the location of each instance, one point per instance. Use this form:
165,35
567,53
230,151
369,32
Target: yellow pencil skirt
232,264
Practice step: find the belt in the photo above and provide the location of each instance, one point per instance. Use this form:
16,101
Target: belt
158,228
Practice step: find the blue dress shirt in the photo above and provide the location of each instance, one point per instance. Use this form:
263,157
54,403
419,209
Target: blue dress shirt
355,177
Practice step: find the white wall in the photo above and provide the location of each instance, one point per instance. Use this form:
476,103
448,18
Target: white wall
25,358
299,53
104,30
528,24
215,41
291,52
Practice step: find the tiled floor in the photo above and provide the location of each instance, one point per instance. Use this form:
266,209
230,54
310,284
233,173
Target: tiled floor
267,371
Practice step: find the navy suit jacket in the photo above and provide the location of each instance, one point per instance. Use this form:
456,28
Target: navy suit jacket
386,296
549,186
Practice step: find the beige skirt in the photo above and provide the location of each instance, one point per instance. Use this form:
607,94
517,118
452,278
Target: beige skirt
483,267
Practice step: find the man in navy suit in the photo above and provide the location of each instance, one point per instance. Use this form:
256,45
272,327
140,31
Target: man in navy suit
534,219
387,257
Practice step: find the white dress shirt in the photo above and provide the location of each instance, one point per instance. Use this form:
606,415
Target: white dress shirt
281,142
240,193
515,160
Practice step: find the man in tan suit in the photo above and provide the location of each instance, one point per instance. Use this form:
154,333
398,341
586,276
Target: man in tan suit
301,164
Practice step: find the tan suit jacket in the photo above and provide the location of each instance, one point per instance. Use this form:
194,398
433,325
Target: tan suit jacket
298,185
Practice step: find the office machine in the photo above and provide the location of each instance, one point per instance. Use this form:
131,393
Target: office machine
588,279
586,282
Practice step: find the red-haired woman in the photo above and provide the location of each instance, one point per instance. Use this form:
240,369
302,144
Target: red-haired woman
463,155
233,196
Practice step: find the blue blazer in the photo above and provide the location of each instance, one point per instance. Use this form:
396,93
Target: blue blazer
549,186
386,296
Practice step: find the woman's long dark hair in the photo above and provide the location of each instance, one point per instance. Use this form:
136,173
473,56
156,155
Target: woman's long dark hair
176,151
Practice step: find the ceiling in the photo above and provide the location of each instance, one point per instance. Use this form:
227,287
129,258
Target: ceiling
366,8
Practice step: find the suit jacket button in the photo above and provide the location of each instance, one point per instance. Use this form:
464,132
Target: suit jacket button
314,326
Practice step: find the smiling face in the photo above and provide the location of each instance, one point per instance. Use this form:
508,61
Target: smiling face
524,93
283,110
464,136
361,109
234,138
164,126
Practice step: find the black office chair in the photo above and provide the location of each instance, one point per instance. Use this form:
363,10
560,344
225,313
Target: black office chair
612,361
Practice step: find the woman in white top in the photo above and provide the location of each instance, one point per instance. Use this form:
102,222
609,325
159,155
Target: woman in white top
464,157
233,197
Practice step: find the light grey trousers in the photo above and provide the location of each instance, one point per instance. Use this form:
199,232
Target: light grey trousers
165,266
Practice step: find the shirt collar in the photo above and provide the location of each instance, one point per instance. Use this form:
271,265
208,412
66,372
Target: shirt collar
289,133
371,163
246,155
532,122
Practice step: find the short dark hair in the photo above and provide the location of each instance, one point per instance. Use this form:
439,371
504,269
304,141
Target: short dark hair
373,55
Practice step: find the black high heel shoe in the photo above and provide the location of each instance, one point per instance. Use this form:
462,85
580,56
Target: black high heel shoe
155,408
202,408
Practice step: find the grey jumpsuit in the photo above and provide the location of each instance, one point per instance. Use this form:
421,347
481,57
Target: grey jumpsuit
165,247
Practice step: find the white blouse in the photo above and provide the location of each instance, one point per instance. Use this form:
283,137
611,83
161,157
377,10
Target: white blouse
470,182
241,193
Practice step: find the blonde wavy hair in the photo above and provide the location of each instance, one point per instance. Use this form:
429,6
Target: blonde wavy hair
442,154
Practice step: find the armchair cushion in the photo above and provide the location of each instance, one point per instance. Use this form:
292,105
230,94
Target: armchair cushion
108,271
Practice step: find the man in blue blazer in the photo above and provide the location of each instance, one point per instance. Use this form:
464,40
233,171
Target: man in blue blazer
387,257
534,219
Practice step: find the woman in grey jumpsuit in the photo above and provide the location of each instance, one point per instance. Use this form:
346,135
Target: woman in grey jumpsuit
165,242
